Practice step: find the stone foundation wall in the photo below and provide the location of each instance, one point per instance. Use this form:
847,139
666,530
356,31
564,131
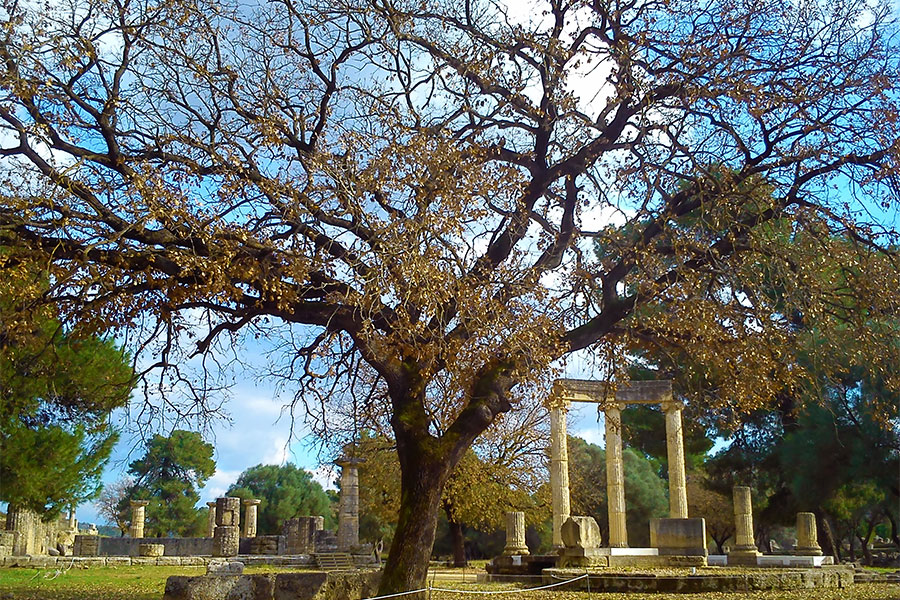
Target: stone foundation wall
835,577
6,543
263,544
126,546
274,586
87,545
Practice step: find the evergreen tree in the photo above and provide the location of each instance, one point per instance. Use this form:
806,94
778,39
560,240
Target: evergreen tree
285,492
56,395
168,475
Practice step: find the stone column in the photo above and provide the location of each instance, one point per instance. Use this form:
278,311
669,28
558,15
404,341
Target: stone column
515,534
22,523
211,519
137,517
678,506
559,469
744,551
615,478
227,536
348,512
807,535
250,510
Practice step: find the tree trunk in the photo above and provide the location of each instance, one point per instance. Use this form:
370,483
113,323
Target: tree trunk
720,542
421,486
426,462
459,544
895,534
829,546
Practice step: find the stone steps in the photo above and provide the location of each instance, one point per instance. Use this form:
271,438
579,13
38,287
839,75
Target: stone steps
334,561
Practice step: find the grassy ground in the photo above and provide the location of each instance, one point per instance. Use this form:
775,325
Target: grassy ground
148,583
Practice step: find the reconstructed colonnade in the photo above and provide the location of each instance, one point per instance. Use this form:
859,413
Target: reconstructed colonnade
612,402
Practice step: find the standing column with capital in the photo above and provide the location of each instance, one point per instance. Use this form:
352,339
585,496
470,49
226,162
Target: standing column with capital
678,506
559,469
137,517
250,511
744,551
615,477
348,511
211,520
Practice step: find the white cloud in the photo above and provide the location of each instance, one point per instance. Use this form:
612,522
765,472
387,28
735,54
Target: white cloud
218,484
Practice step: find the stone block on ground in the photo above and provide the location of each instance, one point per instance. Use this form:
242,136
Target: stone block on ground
225,587
581,532
682,537
272,586
224,567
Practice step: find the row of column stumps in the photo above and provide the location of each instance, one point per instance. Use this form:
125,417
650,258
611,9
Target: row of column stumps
225,512
251,512
585,391
745,550
232,507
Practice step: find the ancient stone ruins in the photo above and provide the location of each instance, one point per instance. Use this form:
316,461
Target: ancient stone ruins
303,541
678,540
232,540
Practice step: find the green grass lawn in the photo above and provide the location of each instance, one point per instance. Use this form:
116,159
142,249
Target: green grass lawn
100,583
146,583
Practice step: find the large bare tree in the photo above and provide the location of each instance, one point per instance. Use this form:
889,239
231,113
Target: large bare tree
406,185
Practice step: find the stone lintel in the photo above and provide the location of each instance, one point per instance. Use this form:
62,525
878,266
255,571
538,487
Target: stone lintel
604,392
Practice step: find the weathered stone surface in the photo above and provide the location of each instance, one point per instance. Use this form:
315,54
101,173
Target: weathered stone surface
281,586
226,540
515,534
224,587
228,512
211,519
705,583
300,535
559,471
615,478
264,544
678,506
581,532
685,537
224,567
348,511
126,546
250,511
87,545
744,551
807,535
153,550
137,517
